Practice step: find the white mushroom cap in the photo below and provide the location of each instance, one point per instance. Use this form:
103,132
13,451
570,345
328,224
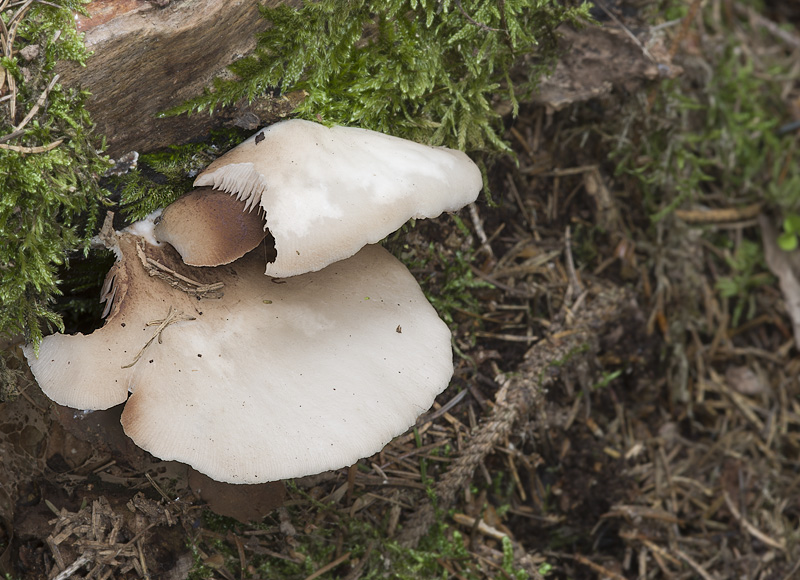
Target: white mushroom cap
326,192
276,379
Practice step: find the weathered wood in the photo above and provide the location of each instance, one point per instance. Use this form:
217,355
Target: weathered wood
595,61
148,58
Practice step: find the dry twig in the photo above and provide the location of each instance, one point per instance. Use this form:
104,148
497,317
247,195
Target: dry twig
177,280
172,317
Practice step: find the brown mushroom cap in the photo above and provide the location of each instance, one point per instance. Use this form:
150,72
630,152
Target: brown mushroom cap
210,228
276,379
326,192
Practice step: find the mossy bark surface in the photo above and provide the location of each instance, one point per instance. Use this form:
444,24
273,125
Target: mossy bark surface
147,59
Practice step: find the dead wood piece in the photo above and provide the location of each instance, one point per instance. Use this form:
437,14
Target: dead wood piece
147,60
598,59
92,537
523,393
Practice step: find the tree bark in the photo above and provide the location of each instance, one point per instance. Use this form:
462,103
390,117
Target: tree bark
148,58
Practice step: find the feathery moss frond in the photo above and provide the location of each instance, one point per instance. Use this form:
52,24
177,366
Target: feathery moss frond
426,70
49,165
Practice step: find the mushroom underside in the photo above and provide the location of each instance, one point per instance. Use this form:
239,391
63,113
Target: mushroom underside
210,228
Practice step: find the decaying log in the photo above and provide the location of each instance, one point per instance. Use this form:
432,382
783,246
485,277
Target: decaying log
153,55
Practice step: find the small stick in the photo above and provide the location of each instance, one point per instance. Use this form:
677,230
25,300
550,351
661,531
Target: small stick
142,561
575,286
10,32
476,222
751,529
626,30
719,215
39,103
157,487
72,568
176,280
172,317
199,287
695,565
329,566
130,543
474,22
39,149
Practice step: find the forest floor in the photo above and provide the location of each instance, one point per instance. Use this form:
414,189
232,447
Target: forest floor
626,401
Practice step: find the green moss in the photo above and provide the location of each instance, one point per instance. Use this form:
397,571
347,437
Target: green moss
715,141
199,571
448,281
336,532
426,70
163,176
722,138
747,275
49,167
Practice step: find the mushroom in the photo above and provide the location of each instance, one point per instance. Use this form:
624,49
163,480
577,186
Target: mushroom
325,192
250,379
209,228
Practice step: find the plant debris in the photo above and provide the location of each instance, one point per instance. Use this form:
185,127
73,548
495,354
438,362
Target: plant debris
626,401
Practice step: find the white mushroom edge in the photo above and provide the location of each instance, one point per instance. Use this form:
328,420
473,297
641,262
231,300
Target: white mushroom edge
325,192
276,379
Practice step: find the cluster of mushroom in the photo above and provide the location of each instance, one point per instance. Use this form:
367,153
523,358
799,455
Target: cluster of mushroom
251,378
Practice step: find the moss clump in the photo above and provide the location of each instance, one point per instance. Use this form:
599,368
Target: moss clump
49,165
163,176
721,139
450,285
426,70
